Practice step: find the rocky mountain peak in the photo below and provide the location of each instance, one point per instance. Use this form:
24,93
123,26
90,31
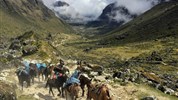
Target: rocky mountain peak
60,4
112,10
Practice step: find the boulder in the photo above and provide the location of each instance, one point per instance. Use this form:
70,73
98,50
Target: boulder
149,98
36,97
161,87
122,36
101,78
155,56
169,91
15,45
28,50
87,49
117,74
108,77
152,77
93,74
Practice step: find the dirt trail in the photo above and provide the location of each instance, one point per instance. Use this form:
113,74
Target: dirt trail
38,91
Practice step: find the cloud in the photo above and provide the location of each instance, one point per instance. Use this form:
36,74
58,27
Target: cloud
134,7
88,10
79,10
137,6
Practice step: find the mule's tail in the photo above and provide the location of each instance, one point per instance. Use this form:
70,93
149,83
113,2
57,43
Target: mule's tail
108,95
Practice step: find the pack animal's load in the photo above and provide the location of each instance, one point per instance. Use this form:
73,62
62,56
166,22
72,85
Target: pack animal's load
26,64
73,79
39,65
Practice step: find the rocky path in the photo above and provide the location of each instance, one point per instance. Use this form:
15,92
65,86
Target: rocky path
38,91
35,91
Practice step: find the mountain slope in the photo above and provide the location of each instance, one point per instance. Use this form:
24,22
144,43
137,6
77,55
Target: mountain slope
155,29
160,22
23,15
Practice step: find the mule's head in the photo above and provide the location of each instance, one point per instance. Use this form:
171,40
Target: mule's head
17,71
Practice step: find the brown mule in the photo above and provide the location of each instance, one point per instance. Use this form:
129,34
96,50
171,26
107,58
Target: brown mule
72,92
98,92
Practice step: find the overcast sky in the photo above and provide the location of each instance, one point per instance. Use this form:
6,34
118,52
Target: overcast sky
87,10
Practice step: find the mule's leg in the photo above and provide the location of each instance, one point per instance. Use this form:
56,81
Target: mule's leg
58,88
83,91
39,76
47,83
46,76
66,95
62,88
73,97
51,90
88,96
28,81
42,76
33,80
21,83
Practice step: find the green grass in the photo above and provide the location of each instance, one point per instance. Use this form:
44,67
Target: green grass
159,22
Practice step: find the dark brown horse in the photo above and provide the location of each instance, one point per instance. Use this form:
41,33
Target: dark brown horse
96,92
56,83
23,76
84,80
32,73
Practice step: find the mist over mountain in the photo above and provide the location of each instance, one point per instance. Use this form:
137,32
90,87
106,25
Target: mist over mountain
84,11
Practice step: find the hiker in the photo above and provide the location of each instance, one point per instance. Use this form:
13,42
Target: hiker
61,64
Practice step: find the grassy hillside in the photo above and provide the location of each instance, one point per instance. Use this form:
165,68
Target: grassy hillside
160,22
18,17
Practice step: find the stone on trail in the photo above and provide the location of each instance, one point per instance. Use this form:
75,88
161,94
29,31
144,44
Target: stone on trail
36,96
149,98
